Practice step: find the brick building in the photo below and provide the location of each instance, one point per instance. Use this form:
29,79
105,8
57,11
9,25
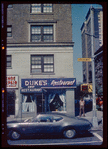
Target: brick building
39,59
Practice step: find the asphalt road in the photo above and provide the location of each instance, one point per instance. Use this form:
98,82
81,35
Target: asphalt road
90,138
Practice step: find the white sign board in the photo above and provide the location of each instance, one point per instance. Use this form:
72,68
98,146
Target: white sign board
12,81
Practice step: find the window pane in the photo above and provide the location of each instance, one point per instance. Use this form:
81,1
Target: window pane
8,64
9,29
48,38
36,70
8,58
48,30
36,66
48,68
48,59
36,30
36,38
47,7
38,58
9,34
36,8
36,62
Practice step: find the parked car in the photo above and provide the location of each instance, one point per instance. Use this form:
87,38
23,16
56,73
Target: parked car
50,123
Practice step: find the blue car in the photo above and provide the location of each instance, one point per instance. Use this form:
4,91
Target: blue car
49,124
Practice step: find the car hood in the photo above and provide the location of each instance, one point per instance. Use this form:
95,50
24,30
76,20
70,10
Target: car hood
83,119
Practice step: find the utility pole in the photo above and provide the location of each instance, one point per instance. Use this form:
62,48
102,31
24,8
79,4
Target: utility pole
95,122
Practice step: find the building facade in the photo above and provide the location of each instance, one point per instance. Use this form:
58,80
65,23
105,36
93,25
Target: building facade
99,71
39,59
86,39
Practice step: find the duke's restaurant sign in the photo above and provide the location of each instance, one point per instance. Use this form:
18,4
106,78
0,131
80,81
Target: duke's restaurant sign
48,83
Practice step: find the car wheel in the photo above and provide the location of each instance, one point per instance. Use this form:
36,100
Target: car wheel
15,135
69,133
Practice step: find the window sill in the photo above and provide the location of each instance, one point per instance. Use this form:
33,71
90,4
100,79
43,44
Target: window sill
43,73
44,13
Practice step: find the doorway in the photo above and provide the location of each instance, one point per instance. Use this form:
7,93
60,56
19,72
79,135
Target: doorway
10,102
40,103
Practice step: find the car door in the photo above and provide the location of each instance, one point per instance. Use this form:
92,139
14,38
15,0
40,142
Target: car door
41,125
57,124
44,125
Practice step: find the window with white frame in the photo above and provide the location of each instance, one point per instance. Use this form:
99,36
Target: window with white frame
41,8
42,63
43,33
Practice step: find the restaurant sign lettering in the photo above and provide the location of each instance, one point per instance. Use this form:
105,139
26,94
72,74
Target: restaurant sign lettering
48,83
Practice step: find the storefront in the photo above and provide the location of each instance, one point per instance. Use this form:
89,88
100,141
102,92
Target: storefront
43,95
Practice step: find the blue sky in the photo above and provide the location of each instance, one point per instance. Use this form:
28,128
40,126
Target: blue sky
79,12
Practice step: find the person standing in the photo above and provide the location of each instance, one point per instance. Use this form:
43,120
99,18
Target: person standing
82,103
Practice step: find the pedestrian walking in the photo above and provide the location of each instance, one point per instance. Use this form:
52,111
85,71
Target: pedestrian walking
82,103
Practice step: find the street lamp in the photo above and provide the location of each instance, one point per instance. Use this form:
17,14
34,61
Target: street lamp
95,122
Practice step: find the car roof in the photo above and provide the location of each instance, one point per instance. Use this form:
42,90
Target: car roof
56,114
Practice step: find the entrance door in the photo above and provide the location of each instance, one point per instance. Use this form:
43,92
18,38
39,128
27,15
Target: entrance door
40,103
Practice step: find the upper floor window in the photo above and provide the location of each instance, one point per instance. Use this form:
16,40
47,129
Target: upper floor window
47,7
8,61
42,33
42,63
40,8
9,31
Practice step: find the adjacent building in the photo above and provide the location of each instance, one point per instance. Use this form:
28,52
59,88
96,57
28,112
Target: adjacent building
39,59
99,71
86,39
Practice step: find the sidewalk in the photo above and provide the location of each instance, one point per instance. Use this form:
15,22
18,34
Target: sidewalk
89,117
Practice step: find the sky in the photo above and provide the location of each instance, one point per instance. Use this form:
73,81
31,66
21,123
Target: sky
79,12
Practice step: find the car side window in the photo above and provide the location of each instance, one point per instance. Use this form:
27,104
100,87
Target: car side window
45,119
56,118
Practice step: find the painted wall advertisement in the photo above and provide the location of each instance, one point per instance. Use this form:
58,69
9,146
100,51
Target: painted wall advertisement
12,81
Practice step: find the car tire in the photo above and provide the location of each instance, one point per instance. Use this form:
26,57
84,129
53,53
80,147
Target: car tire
14,135
69,133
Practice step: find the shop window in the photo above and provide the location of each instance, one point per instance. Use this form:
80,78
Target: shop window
57,102
28,104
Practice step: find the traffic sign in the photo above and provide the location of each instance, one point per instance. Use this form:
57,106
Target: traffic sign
84,59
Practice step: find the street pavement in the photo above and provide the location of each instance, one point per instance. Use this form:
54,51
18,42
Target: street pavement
87,139
93,137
